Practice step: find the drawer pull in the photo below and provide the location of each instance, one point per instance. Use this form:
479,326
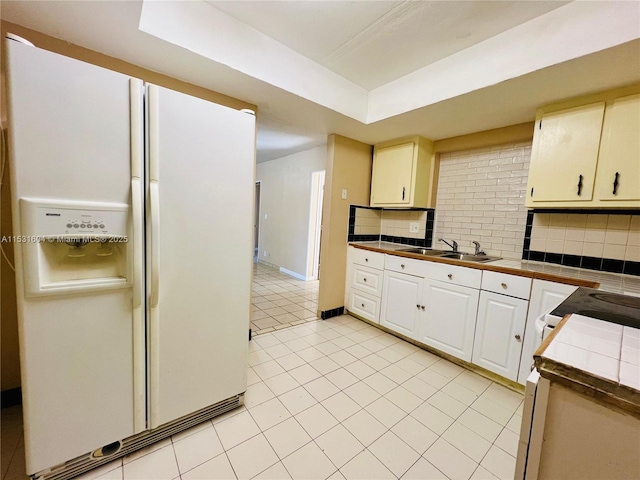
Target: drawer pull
363,305
366,259
504,285
518,337
450,276
418,306
364,279
422,307
402,265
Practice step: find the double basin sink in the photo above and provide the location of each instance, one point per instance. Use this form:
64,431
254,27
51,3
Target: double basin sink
469,257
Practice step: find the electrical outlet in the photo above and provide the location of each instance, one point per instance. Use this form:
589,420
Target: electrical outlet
344,193
264,254
265,216
414,227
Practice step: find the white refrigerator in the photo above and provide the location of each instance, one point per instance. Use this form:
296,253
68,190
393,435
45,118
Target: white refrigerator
132,215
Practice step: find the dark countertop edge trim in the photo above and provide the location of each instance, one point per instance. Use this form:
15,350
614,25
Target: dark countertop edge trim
485,266
621,397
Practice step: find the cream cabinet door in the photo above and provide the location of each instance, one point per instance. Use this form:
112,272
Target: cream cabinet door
499,333
392,177
619,162
449,321
401,303
565,155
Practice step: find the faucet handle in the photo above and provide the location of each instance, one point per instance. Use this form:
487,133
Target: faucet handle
478,250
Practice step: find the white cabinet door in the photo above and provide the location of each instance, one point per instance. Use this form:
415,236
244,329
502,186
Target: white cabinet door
450,318
401,302
545,296
499,333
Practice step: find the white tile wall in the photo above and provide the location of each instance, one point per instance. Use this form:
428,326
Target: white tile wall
397,222
367,221
588,235
481,197
390,222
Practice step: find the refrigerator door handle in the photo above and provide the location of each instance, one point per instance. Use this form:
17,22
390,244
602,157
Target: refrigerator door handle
155,244
152,93
139,362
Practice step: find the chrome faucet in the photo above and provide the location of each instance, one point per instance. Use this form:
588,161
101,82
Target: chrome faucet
478,249
453,244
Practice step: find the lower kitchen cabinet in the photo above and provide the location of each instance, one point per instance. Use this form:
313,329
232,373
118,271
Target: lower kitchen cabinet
401,303
450,318
499,333
363,304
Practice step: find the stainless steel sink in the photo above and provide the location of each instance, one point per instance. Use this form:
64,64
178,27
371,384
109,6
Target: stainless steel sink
470,257
424,251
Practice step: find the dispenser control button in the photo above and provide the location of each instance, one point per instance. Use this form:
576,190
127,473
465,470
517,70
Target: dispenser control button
101,226
83,226
89,226
95,225
69,225
75,225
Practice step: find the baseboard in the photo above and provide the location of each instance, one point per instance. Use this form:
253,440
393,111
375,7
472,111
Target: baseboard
335,312
295,275
11,397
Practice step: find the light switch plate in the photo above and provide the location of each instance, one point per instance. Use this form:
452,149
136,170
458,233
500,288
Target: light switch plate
344,193
414,227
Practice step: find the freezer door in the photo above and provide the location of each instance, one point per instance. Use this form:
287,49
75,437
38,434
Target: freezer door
200,227
70,141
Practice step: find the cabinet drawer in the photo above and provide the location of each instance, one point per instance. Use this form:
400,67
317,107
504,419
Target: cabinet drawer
365,279
467,277
367,258
511,285
365,305
404,265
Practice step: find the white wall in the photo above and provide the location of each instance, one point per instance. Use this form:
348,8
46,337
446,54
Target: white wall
286,200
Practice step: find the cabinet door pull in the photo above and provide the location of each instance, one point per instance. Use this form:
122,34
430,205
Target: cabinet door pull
503,285
418,306
366,259
518,337
580,185
450,276
402,265
532,191
402,193
363,305
422,307
364,279
615,184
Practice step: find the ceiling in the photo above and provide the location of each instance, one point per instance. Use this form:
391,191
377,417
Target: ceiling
369,70
374,42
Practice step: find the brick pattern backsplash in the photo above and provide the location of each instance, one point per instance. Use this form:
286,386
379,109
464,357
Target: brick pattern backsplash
481,196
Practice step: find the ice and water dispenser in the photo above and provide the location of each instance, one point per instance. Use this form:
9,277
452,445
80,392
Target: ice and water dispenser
70,246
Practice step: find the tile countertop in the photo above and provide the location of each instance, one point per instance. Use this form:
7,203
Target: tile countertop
598,358
610,282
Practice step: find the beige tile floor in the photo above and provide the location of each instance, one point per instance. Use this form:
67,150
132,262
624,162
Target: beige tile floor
335,399
279,300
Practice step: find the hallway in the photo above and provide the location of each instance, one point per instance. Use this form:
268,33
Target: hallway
280,300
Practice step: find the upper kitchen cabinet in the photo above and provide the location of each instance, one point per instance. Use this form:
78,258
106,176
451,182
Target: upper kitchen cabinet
586,153
565,154
619,163
404,173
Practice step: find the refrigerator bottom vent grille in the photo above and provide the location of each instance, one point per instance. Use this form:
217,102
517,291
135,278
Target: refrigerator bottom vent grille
86,462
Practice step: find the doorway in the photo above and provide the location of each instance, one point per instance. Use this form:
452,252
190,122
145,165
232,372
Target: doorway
315,224
256,224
